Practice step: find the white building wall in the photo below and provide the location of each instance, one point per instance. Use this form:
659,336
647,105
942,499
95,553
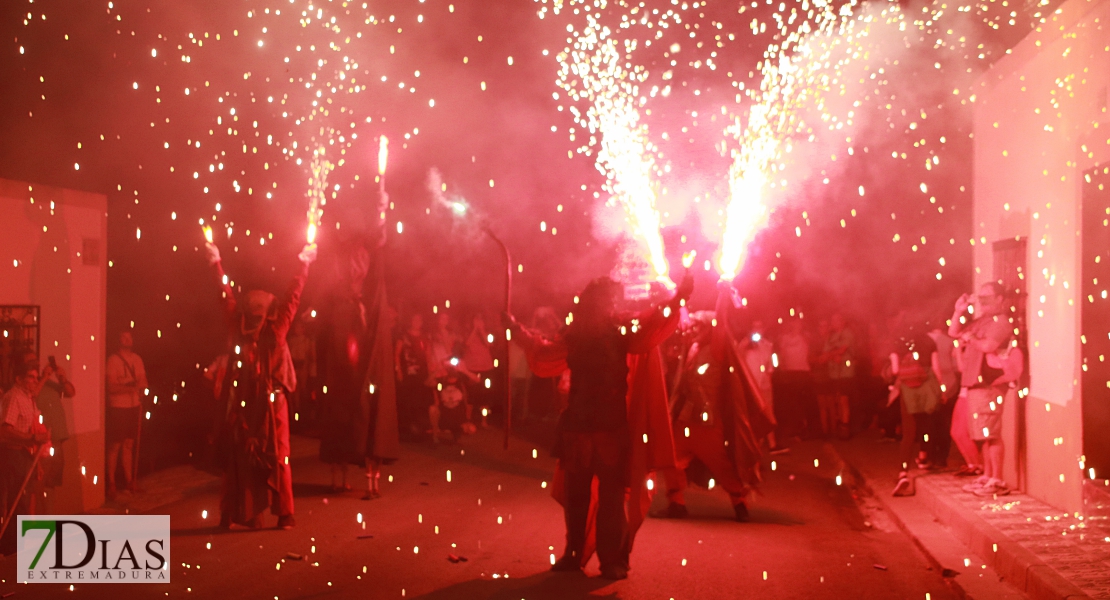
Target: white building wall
41,264
1041,119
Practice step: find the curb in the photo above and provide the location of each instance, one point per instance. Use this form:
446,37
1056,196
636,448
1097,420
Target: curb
862,483
1017,566
1020,567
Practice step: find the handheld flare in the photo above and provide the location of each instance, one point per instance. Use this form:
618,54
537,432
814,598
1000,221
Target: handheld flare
207,233
688,258
383,154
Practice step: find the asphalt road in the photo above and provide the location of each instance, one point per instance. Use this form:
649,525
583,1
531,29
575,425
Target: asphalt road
809,538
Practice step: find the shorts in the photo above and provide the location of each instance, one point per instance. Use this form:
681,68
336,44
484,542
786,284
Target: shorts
984,407
922,399
121,424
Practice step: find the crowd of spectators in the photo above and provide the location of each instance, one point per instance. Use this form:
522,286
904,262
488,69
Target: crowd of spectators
824,377
926,383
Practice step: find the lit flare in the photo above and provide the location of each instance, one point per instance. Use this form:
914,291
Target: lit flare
317,190
688,258
383,154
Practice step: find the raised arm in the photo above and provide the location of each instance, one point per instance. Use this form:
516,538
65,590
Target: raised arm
658,323
68,391
546,358
227,295
287,310
955,328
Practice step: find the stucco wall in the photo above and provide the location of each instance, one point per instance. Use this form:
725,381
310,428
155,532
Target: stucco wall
41,263
1041,119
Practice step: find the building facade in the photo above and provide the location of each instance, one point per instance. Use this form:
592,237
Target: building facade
54,274
1042,204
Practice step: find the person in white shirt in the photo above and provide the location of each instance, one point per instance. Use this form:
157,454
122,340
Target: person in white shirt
758,353
797,400
126,380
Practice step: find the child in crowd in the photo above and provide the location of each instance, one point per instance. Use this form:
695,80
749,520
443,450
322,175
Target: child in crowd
450,414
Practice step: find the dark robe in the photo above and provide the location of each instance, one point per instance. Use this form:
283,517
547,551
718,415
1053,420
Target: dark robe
346,354
377,436
745,414
615,431
358,418
255,426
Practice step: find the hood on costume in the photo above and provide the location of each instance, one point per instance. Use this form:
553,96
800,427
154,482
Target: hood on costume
257,307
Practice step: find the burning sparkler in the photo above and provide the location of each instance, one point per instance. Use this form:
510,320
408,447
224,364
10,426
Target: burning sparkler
383,197
317,189
383,155
625,154
791,83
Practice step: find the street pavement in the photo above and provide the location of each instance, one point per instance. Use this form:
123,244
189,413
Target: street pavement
808,538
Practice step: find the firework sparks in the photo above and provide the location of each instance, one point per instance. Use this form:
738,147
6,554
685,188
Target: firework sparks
793,79
624,151
317,192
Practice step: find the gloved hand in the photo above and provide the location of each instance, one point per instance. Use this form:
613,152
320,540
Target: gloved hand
308,254
213,253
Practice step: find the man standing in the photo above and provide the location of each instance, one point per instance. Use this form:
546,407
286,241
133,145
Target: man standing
594,435
950,389
22,436
256,419
55,386
126,386
983,384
